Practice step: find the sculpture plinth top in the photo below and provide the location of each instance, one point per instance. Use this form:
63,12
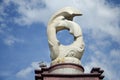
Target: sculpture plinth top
60,53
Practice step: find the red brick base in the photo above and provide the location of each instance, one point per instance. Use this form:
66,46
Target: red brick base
45,73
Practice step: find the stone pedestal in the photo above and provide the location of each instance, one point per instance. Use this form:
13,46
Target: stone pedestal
67,71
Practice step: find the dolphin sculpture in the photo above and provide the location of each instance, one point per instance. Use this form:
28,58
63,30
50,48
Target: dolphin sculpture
59,21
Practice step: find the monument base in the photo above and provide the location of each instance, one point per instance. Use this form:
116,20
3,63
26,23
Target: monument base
66,68
67,71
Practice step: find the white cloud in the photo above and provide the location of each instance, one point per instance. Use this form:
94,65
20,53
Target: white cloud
32,12
106,61
98,16
25,72
115,53
2,27
35,65
115,57
2,13
8,39
11,40
99,19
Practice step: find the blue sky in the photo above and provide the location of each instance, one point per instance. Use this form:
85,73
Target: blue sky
23,38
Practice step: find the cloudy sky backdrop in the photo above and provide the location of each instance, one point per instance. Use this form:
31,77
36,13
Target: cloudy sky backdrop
23,38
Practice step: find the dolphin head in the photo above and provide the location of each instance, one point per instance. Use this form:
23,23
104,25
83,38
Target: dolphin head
67,12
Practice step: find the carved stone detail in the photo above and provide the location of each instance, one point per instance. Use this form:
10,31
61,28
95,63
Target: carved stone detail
60,53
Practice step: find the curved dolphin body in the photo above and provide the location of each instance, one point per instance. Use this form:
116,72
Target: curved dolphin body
61,53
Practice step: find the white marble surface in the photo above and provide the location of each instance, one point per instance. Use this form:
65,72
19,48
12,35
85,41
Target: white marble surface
67,71
61,20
